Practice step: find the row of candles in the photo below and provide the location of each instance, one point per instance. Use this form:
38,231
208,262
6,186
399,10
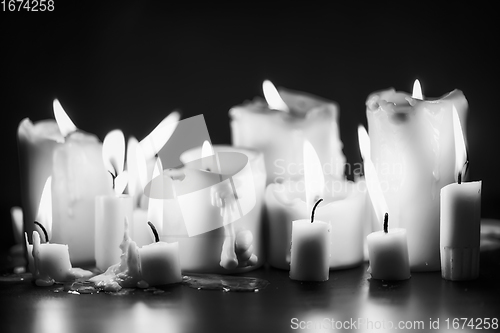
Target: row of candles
208,214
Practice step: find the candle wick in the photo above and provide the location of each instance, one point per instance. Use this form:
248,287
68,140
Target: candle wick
386,223
463,172
44,230
155,232
460,178
314,209
113,177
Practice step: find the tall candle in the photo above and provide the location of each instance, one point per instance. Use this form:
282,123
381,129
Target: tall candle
279,132
78,176
202,253
412,150
460,219
36,143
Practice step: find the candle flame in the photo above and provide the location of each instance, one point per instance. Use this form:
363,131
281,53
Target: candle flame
113,155
209,164
44,215
155,206
417,90
273,97
154,141
460,148
371,177
66,126
142,167
313,175
207,149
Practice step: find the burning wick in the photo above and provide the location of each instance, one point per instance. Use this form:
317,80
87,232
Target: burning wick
113,177
44,230
314,209
386,223
155,232
464,171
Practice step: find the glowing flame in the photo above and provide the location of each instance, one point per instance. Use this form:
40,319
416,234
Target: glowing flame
66,126
460,149
136,167
158,137
313,175
372,181
273,97
113,155
417,90
209,164
155,206
44,215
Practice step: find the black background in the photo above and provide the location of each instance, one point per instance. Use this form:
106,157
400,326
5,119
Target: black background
128,64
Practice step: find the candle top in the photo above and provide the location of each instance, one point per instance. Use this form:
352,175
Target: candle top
43,129
302,106
394,101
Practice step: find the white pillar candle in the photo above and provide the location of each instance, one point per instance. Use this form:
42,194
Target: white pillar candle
460,219
279,134
160,263
388,254
310,250
412,150
36,143
202,253
78,176
110,212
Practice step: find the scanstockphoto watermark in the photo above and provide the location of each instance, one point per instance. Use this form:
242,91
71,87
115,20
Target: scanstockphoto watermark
332,324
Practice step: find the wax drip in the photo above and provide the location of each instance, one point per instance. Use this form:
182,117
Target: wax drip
155,232
314,209
44,230
386,223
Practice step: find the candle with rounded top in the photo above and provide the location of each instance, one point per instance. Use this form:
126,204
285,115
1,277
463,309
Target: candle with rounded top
460,218
412,150
310,249
111,210
278,125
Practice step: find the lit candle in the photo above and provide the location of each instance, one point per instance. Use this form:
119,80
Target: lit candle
111,210
460,218
78,176
160,263
36,143
49,262
343,208
310,249
412,150
279,126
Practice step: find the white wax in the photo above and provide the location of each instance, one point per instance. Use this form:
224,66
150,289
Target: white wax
110,214
412,148
343,207
51,261
36,143
160,263
388,255
310,251
78,176
202,253
280,135
460,230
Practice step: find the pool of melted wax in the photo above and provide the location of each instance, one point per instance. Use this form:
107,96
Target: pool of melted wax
224,282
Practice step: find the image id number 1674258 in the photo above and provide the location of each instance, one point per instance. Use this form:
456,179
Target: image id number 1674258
27,5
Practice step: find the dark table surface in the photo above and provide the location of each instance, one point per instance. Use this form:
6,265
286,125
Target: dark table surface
349,299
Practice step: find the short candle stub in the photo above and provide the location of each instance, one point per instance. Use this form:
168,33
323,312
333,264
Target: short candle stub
44,230
314,209
386,223
155,232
